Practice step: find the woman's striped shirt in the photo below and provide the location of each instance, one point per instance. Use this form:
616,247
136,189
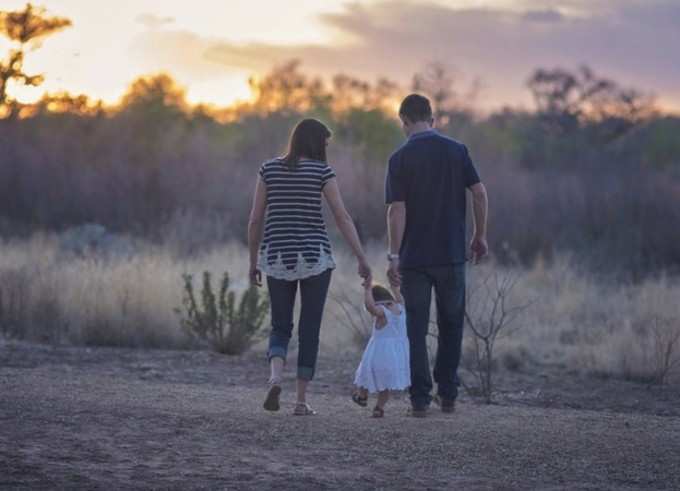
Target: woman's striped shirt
295,244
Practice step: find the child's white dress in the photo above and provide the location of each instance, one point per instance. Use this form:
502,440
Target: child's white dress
385,363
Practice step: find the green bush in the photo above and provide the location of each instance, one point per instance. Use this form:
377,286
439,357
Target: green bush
228,329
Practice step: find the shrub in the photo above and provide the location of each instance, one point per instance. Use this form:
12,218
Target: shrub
14,308
489,318
228,329
353,314
653,353
665,349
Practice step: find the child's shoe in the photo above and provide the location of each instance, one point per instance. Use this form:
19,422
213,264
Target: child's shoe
359,399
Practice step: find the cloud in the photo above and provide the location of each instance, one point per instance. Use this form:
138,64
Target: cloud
631,41
179,52
153,21
547,15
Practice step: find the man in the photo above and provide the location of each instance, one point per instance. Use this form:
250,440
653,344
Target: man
425,189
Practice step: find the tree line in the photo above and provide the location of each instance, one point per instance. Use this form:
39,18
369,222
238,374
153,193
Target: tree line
593,170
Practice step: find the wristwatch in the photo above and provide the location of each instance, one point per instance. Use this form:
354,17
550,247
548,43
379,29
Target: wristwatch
392,257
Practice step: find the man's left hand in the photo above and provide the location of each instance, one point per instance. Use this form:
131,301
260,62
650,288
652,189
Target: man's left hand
479,249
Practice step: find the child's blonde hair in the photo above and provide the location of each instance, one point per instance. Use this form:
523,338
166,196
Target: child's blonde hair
381,294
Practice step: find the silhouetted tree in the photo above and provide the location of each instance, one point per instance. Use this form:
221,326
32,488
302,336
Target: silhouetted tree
384,94
568,101
65,103
23,28
349,92
159,90
287,89
353,93
437,81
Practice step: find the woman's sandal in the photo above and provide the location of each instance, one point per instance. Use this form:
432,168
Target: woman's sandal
271,403
303,409
361,401
378,412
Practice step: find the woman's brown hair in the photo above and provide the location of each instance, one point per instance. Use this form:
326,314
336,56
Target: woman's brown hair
308,139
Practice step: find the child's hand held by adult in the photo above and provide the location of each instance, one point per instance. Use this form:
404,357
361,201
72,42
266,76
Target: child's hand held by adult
363,269
393,274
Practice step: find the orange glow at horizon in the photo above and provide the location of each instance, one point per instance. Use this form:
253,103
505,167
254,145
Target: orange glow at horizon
100,59
97,56
110,44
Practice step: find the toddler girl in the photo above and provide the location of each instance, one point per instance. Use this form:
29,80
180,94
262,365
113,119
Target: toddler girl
385,363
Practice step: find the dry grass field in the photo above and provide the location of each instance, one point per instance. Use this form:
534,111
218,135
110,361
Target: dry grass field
125,293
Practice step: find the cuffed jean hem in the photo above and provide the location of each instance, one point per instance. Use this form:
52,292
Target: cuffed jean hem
305,373
276,352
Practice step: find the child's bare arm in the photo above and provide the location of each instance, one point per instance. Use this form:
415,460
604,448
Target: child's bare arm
396,291
373,309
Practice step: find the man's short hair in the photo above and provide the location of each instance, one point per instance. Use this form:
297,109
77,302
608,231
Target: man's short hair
416,108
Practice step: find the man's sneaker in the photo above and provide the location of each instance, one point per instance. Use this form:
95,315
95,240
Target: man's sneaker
448,406
418,412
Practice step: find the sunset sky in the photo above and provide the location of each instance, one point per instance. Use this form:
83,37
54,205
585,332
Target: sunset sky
212,46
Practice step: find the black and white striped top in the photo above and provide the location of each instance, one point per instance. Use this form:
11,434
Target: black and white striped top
295,243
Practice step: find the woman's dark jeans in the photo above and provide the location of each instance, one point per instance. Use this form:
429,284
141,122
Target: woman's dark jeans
449,288
313,292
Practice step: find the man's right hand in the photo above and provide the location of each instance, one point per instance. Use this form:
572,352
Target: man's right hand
393,274
478,249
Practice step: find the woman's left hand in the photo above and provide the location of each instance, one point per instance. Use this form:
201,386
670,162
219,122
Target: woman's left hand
364,269
255,277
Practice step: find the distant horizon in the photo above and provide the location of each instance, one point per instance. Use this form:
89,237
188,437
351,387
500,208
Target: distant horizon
213,50
474,108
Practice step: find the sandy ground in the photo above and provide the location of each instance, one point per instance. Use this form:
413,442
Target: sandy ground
78,418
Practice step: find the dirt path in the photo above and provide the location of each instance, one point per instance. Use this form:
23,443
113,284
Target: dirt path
125,419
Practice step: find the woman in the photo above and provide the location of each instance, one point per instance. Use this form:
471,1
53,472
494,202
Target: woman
296,251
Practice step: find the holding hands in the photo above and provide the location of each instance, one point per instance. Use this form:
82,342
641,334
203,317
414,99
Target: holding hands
255,276
393,274
364,269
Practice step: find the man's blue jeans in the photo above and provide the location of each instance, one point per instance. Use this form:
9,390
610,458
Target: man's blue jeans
313,292
449,286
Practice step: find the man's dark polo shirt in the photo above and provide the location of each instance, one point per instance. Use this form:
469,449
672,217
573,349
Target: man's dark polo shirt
430,173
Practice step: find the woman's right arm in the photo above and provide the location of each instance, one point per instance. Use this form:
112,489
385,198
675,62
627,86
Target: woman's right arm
255,226
331,191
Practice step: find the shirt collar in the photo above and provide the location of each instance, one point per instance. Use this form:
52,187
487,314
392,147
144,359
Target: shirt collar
422,134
